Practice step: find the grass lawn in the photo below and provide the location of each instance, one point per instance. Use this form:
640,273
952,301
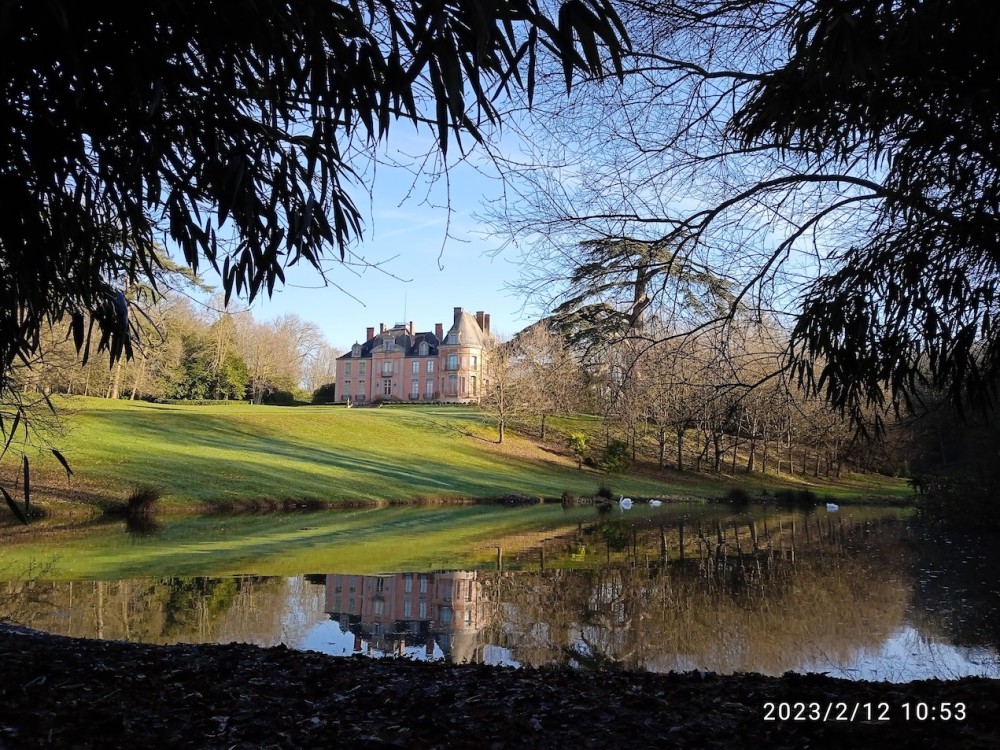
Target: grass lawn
239,453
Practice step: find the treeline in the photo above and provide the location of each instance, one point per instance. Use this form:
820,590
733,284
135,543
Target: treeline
709,402
193,352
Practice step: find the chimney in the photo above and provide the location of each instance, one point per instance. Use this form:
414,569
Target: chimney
479,319
458,313
410,328
486,323
381,328
439,331
370,334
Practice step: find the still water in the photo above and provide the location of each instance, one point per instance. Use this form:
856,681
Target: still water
861,593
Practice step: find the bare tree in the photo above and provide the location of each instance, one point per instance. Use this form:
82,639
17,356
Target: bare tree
551,378
505,389
320,366
817,154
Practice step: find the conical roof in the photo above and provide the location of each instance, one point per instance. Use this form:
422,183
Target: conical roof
467,329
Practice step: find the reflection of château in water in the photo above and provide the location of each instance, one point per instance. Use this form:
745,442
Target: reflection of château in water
393,612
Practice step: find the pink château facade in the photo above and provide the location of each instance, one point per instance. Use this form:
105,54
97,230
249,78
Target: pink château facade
400,364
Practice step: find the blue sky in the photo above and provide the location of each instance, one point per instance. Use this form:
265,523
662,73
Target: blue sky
432,275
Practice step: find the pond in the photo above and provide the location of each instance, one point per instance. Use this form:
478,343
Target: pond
861,593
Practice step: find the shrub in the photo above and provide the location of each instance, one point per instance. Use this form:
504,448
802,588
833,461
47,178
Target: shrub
605,492
795,498
279,398
579,443
568,499
738,496
616,457
325,394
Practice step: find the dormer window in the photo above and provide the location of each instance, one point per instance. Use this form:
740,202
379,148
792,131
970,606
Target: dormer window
356,350
424,349
452,338
387,345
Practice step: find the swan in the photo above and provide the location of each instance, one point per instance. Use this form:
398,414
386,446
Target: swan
625,503
831,507
656,503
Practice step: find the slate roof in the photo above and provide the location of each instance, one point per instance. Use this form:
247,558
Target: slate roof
409,344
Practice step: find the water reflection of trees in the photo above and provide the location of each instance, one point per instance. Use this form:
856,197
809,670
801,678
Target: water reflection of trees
253,609
741,599
770,594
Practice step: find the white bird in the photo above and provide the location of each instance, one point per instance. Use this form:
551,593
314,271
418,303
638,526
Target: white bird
625,503
832,507
656,503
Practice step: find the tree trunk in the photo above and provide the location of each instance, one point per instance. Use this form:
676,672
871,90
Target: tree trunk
138,379
113,386
680,450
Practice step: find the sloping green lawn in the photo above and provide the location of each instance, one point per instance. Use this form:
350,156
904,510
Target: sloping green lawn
238,453
241,452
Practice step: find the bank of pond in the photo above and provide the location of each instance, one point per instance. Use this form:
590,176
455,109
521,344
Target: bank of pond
852,591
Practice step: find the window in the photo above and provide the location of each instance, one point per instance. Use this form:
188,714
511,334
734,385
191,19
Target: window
453,385
356,350
452,362
387,388
474,384
423,611
423,584
378,607
387,367
361,368
408,583
387,345
424,349
347,368
461,385
452,338
415,366
430,365
407,609
474,362
347,389
429,388
414,387
361,387
379,585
